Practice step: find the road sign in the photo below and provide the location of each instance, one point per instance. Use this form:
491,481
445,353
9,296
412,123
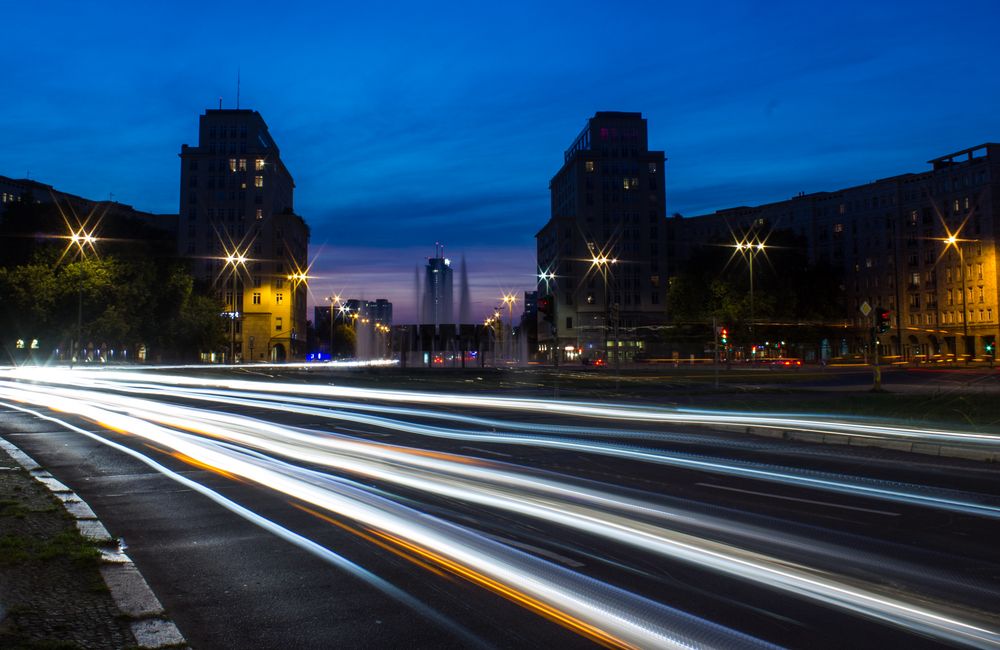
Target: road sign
865,308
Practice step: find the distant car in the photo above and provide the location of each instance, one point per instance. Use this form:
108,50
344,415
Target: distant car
600,362
793,364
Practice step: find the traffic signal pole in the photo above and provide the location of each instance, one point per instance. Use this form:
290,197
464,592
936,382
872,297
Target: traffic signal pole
877,371
879,326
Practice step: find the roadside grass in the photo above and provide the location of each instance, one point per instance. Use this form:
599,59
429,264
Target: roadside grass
65,545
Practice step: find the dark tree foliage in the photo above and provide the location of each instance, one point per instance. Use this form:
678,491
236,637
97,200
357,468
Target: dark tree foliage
130,288
787,289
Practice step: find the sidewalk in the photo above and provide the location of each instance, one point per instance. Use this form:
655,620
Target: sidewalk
51,589
60,589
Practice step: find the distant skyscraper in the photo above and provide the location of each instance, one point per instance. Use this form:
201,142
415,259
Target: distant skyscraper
438,296
236,200
605,239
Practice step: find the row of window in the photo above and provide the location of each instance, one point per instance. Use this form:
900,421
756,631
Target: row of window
232,164
221,131
952,318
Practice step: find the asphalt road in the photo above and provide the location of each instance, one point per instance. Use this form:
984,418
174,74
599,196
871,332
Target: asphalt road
385,519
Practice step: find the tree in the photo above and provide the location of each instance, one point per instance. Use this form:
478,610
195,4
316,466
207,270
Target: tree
344,340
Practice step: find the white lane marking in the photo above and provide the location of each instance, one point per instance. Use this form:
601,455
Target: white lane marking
488,451
819,503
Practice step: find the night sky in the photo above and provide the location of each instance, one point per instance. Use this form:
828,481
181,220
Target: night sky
420,122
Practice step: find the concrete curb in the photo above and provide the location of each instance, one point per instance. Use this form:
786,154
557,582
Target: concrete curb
927,448
148,622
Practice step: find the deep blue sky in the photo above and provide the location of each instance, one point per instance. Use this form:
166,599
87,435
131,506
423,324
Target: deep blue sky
405,124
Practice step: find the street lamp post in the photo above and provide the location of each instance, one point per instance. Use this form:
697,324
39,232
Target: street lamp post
237,261
548,276
334,300
953,241
81,239
297,279
603,263
509,299
750,248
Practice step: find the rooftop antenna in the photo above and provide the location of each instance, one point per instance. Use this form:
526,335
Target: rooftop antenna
220,103
237,87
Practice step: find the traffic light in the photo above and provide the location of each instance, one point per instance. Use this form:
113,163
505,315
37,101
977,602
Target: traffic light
724,336
547,308
882,317
990,348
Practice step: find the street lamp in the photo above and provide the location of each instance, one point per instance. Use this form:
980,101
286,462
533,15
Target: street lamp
509,299
237,260
546,276
749,247
81,239
953,241
603,263
297,278
333,300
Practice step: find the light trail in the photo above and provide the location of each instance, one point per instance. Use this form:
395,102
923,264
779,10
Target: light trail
627,618
273,455
833,426
938,498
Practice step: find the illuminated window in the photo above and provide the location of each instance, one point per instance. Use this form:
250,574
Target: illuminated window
259,164
956,205
652,168
838,227
589,165
277,324
258,181
256,297
278,297
232,164
243,164
260,213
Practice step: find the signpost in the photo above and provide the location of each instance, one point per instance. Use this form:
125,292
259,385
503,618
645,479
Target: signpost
874,331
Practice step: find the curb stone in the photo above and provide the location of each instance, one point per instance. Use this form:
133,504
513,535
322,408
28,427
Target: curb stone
128,588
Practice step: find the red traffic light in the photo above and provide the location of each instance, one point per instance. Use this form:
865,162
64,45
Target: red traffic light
546,306
883,320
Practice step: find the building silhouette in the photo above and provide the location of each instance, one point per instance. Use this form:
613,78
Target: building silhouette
604,242
236,202
438,297
887,240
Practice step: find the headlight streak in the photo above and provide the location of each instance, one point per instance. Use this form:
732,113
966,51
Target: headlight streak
939,498
727,559
304,543
345,444
579,409
631,618
390,464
